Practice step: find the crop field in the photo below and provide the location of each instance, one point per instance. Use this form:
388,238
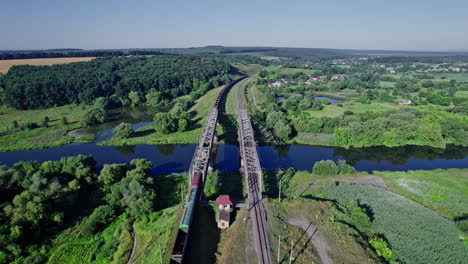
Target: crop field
5,65
445,191
416,234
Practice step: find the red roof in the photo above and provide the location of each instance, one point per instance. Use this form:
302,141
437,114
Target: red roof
223,199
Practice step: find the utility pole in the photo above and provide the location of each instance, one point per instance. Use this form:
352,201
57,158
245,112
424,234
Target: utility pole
181,194
279,248
291,256
160,253
279,192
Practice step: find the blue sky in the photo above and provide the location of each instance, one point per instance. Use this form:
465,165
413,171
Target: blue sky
351,24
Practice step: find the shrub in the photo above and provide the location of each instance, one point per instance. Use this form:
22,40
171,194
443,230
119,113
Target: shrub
382,249
329,167
124,130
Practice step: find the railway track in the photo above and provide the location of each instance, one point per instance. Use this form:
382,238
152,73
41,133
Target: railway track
253,174
197,173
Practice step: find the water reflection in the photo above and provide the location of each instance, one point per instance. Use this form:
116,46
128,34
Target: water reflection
303,157
165,149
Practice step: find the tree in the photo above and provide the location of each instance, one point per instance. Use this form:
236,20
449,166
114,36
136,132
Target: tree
153,97
182,125
282,131
93,116
124,130
64,121
135,98
164,124
45,122
112,173
213,184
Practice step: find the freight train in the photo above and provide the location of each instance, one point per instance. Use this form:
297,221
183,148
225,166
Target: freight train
190,204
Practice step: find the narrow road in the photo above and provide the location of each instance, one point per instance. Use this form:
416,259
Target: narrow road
319,243
253,96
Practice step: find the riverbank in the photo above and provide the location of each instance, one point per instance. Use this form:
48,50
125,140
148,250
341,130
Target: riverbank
15,135
198,114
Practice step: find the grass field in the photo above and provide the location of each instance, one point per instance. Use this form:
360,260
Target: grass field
339,243
231,100
154,233
235,244
112,245
444,191
5,65
385,84
249,69
450,76
462,93
295,70
56,134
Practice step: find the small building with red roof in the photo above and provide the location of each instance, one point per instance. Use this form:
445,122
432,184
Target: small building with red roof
225,207
223,202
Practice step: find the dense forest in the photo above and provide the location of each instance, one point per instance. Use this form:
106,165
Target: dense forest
33,87
38,201
66,53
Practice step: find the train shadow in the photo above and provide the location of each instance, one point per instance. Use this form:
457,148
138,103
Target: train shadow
204,237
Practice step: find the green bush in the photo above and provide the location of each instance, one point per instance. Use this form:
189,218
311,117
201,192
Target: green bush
124,130
329,167
382,249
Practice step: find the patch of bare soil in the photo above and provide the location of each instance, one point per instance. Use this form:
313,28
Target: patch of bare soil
361,180
317,240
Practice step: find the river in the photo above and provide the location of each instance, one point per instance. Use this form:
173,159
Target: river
177,157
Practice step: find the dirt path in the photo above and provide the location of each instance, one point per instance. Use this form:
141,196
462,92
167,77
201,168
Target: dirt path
317,240
253,96
134,244
363,180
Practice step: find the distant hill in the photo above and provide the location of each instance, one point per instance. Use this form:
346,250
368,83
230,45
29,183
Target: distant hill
299,55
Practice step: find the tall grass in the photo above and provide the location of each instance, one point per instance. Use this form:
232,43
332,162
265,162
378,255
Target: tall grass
415,233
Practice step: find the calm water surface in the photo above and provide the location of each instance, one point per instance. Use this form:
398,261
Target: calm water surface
177,157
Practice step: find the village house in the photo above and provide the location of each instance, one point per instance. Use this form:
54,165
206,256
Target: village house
277,84
339,77
314,79
404,102
225,207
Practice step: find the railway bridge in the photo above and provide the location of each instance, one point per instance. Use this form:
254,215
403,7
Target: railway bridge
250,165
197,173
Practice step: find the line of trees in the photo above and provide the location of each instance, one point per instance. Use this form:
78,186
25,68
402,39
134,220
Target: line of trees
131,80
67,53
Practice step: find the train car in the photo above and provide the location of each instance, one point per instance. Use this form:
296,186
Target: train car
187,216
